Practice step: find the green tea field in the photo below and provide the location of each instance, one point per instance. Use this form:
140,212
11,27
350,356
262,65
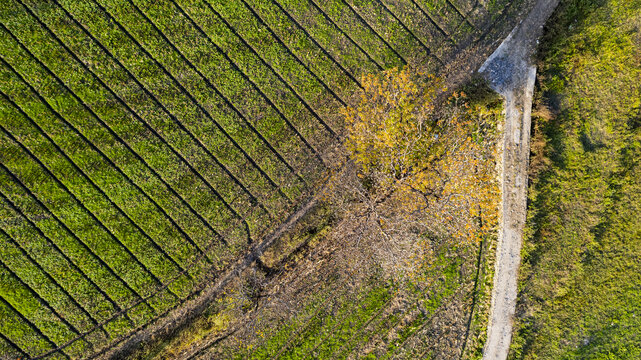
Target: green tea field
147,145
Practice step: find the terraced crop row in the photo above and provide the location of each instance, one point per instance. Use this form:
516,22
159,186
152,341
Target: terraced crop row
144,145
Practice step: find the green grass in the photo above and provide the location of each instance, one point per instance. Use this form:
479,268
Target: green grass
145,144
339,321
331,318
580,290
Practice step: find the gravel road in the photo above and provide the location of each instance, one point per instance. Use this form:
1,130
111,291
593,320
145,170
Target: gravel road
511,72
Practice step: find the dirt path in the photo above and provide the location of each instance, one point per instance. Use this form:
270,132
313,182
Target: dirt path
511,73
186,313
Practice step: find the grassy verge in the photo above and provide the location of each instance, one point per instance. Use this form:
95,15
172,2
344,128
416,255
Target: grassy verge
580,290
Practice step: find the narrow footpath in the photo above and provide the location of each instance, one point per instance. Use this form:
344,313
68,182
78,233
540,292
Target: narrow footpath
511,72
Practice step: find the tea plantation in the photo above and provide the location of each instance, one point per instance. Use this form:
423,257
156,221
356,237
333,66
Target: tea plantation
146,145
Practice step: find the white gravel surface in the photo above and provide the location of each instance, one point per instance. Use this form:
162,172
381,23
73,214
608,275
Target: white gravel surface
511,73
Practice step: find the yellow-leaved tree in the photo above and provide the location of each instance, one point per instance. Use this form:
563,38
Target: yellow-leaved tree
420,152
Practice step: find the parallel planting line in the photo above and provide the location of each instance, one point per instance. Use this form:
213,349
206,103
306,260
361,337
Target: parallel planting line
17,210
109,89
44,303
114,135
125,311
271,68
273,47
446,35
374,15
315,28
112,164
368,26
47,275
23,252
338,12
122,102
461,14
140,327
429,51
93,216
269,48
253,84
184,128
127,107
225,99
31,325
378,65
429,17
200,107
499,17
38,229
58,116
216,100
18,181
447,18
76,167
477,5
84,246
305,20
13,345
291,18
291,53
422,22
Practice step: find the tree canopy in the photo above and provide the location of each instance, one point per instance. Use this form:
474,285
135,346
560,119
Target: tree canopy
427,151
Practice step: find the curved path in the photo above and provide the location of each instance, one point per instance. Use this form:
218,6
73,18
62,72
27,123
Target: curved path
511,72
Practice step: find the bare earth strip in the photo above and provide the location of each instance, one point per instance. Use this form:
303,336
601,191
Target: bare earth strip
511,73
